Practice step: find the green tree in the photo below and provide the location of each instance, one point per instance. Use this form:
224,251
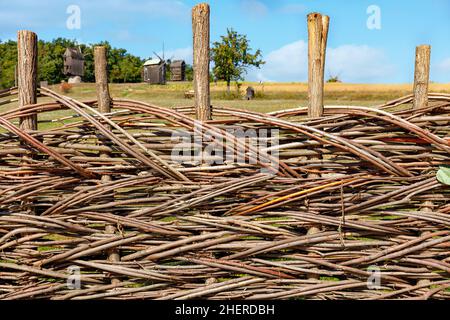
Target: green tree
189,72
130,68
8,61
168,70
232,56
122,66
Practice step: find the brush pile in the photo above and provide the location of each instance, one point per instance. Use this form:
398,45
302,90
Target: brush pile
347,206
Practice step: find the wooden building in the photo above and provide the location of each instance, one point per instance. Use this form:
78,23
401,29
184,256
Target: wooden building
250,93
73,62
178,70
155,71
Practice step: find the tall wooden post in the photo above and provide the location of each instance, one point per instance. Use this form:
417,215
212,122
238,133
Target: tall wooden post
104,106
317,42
101,79
421,82
101,84
200,29
421,76
27,75
318,26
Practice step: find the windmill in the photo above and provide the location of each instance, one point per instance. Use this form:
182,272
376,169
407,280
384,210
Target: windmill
161,67
155,70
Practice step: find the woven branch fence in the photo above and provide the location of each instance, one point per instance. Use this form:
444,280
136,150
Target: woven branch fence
363,179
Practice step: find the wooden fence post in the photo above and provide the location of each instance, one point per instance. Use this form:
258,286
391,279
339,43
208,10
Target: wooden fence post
102,89
421,76
317,41
318,26
101,79
421,82
104,106
27,75
200,29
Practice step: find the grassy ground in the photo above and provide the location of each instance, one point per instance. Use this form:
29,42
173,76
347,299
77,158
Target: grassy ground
270,96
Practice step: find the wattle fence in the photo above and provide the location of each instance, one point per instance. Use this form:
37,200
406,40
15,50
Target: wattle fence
120,199
225,231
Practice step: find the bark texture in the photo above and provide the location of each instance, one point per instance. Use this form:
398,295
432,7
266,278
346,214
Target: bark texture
421,76
200,29
317,42
27,75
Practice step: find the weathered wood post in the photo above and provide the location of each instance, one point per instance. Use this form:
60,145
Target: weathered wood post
104,106
318,26
26,81
200,29
27,75
421,82
421,76
102,89
317,41
101,79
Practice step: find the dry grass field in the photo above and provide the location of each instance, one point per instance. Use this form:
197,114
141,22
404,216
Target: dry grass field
269,96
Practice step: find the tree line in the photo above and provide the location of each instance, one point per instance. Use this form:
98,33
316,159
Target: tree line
122,66
231,58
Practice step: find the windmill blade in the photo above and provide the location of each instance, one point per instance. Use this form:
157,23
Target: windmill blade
158,56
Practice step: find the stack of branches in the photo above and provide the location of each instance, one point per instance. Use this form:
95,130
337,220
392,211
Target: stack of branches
164,225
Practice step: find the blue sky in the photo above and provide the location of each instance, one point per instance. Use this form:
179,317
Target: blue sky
355,52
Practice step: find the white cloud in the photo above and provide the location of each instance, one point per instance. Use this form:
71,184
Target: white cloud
288,63
293,8
440,70
352,63
254,8
444,66
359,63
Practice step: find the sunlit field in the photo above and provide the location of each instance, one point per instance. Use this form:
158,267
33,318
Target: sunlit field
269,96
